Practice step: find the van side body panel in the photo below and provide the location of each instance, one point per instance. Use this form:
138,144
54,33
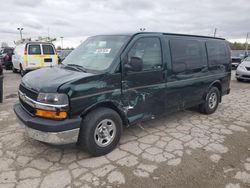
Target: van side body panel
144,95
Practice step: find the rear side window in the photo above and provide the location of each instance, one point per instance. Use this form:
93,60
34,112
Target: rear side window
34,49
217,53
186,55
48,50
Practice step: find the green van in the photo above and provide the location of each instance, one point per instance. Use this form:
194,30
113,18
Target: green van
112,81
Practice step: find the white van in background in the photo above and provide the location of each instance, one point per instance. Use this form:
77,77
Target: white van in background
33,55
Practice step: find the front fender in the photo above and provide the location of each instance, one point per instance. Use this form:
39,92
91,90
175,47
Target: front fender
115,105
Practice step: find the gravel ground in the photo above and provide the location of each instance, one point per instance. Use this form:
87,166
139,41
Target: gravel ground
186,149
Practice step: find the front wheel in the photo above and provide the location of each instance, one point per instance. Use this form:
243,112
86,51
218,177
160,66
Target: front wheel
100,131
211,103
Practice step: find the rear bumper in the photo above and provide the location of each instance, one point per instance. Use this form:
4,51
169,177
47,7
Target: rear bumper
49,131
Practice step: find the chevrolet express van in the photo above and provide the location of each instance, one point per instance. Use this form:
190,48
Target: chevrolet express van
112,81
33,55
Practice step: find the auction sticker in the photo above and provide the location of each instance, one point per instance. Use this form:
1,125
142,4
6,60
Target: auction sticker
103,50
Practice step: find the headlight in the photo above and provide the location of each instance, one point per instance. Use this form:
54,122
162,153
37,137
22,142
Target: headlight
52,105
241,67
53,98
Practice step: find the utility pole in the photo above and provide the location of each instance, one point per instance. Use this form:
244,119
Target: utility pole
48,35
62,41
20,30
247,40
215,31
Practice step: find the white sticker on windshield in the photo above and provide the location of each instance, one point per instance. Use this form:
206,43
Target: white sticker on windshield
103,50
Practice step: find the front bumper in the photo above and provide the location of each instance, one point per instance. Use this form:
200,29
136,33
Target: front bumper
240,74
49,131
235,65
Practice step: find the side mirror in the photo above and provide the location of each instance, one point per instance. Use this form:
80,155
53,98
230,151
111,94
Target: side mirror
135,65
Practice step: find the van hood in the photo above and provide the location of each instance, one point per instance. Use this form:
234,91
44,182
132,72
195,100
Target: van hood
51,78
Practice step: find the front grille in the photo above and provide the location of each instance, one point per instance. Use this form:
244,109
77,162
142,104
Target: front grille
248,68
28,92
245,76
27,107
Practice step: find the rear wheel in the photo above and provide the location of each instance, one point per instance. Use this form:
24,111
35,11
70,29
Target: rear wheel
100,131
239,79
14,69
211,103
22,72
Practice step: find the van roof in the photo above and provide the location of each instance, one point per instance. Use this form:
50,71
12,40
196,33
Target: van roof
161,33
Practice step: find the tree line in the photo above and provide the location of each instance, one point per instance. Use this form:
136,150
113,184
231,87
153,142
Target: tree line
237,46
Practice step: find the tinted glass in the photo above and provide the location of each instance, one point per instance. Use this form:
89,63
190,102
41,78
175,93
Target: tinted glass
8,51
48,50
248,58
217,53
186,55
149,50
34,49
96,53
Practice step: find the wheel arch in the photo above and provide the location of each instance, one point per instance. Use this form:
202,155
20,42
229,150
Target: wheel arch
216,83
108,104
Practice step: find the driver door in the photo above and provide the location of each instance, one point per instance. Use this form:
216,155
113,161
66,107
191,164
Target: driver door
143,90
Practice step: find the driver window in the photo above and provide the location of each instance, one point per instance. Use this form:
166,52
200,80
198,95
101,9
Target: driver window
148,49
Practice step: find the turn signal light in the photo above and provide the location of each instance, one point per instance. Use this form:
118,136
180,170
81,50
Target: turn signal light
51,114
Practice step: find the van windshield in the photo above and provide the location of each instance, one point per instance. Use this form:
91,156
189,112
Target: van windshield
96,53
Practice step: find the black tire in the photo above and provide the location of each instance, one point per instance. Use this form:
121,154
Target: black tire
88,136
239,79
211,102
22,72
14,70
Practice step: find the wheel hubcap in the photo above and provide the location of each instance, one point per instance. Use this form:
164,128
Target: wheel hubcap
105,132
212,101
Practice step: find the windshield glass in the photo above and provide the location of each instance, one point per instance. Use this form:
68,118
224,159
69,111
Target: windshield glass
96,53
248,58
8,51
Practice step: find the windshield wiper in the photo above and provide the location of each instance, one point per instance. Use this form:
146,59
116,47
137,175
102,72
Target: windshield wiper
77,67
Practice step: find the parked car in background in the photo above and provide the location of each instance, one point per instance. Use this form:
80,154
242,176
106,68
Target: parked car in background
243,70
6,57
235,62
113,81
33,55
62,54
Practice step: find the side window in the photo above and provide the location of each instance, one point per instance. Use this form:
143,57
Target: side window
34,49
217,53
149,50
48,49
186,55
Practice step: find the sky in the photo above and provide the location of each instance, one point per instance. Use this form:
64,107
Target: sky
75,20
